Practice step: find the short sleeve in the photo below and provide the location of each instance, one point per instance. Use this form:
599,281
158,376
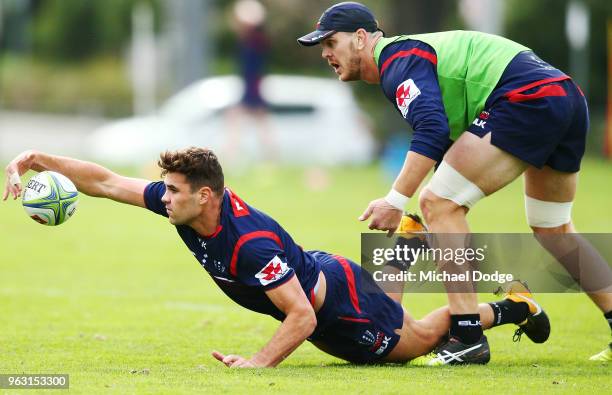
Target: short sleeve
262,263
152,196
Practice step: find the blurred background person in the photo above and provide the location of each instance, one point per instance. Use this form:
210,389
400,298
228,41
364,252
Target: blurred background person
248,17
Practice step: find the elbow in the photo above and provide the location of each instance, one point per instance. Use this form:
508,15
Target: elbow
304,319
309,322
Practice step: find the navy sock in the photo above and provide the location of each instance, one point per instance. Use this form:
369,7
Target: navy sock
509,312
608,316
466,328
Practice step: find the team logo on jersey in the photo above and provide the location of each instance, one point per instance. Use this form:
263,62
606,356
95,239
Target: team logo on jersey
405,93
274,270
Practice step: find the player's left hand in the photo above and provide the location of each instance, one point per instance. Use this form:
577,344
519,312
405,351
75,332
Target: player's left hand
383,216
233,361
14,170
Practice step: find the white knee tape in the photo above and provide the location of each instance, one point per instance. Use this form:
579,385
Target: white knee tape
547,214
449,184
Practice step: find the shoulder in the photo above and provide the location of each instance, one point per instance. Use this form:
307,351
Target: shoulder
256,253
406,48
405,60
247,221
255,246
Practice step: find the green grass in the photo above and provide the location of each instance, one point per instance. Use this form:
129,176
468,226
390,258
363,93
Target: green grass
115,300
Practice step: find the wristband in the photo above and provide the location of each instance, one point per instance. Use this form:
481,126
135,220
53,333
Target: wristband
14,178
396,199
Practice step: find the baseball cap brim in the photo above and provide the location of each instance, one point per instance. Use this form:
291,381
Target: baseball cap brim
315,37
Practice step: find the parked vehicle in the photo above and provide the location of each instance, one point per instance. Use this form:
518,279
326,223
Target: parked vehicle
310,121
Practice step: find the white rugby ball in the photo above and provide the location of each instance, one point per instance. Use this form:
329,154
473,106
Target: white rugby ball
50,198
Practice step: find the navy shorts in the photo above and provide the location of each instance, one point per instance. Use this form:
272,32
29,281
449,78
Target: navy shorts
541,123
357,321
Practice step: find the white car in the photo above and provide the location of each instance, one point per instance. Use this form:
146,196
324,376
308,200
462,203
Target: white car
311,121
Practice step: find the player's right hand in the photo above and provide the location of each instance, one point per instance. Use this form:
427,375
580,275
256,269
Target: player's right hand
382,215
14,170
233,361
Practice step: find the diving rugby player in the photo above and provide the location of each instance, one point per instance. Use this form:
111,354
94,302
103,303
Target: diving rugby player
317,296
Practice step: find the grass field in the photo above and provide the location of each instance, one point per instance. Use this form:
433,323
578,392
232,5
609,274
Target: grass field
114,299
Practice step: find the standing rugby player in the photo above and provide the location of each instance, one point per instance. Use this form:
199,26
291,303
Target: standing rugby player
522,116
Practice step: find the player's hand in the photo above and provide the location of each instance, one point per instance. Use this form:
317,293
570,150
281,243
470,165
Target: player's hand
14,170
383,216
233,361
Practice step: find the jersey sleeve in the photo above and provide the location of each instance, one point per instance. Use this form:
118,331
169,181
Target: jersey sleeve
262,263
152,196
410,82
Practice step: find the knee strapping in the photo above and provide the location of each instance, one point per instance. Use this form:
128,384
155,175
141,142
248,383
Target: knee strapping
449,184
543,214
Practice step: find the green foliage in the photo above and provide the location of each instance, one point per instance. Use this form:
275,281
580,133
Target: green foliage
544,17
540,25
75,30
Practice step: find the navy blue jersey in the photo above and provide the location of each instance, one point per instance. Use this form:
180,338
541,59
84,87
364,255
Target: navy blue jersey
248,254
424,110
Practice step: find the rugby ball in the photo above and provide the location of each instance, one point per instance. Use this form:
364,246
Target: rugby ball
50,198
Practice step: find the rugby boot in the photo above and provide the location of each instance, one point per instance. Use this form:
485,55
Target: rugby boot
536,326
411,224
454,352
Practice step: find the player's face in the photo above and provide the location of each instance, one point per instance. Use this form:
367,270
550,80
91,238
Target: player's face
183,205
340,53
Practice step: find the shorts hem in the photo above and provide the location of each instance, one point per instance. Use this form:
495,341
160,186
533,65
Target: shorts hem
500,143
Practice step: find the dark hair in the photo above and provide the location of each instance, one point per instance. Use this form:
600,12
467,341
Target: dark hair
199,165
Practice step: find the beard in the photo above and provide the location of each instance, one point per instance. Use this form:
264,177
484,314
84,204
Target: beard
353,68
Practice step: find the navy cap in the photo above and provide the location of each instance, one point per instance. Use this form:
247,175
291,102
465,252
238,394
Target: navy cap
342,17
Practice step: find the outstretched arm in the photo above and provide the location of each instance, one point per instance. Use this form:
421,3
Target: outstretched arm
299,323
89,178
